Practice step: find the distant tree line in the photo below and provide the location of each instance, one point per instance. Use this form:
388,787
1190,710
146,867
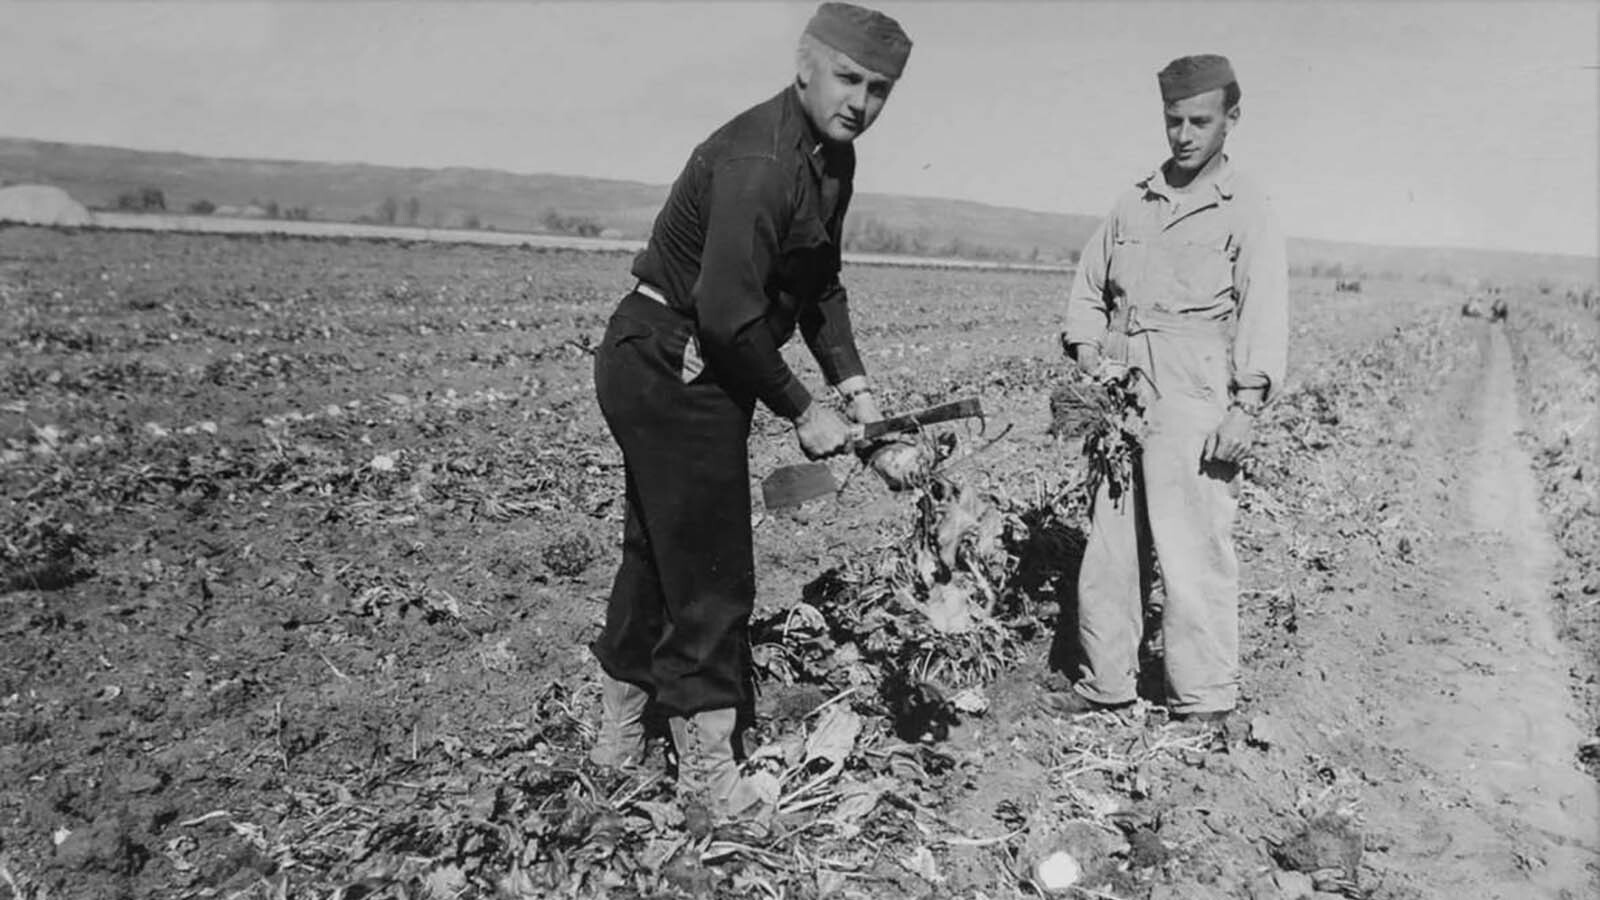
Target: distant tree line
395,212
560,223
410,211
144,199
1322,269
154,200
871,235
862,235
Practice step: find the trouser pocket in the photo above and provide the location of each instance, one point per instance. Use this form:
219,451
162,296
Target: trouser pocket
667,338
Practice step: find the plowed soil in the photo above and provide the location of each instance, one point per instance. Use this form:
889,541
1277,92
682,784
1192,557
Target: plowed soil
303,541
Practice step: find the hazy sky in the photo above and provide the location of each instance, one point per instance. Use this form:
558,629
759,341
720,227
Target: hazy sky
1437,123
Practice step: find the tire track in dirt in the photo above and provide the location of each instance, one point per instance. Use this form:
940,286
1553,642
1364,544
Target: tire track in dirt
1502,810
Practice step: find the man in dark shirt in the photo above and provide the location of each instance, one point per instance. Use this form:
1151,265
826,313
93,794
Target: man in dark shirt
744,253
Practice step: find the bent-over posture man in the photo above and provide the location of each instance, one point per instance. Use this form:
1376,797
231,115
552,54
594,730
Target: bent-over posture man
1186,281
745,251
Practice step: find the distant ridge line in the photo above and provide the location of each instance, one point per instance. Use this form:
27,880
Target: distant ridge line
496,200
222,225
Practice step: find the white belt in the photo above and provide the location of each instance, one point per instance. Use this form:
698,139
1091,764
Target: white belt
653,292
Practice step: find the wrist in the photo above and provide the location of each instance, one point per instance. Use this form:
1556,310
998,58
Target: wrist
806,415
851,388
1248,407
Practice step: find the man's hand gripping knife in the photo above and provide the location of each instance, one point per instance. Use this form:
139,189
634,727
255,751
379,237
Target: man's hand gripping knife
821,431
898,462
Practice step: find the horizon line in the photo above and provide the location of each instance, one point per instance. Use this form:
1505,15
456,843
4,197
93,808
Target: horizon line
1595,257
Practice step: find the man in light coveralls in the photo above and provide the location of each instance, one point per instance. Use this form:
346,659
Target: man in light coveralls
1187,281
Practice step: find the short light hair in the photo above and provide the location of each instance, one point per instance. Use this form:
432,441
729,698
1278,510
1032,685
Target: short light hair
811,55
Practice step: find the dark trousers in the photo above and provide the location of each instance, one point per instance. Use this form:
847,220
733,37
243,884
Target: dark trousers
678,619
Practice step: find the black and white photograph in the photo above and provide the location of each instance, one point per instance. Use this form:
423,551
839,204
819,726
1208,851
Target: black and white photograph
800,449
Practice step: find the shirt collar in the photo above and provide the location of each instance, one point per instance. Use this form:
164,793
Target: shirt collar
1219,179
807,138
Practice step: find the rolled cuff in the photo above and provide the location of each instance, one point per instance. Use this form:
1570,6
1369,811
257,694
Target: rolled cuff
1260,381
1087,327
842,366
790,400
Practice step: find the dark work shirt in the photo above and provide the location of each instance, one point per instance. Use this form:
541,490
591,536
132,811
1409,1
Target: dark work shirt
748,245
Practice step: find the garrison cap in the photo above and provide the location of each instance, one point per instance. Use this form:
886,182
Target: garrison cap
867,36
1187,76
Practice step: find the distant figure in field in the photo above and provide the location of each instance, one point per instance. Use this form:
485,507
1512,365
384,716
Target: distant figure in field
1478,299
1497,309
1187,283
745,251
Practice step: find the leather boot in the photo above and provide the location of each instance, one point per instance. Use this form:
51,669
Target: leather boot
708,772
707,769
620,743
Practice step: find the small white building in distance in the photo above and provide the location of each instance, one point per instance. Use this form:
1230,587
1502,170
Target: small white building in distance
41,204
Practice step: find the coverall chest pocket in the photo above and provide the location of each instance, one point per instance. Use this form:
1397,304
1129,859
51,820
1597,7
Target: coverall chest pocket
1127,269
1194,272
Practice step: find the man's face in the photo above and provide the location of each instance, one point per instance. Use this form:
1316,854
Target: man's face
843,98
1197,127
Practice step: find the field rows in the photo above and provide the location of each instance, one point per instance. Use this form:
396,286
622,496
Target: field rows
303,542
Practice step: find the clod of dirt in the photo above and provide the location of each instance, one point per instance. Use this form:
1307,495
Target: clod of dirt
143,782
1146,849
1589,753
697,820
237,863
104,846
1325,842
570,556
42,555
918,709
685,873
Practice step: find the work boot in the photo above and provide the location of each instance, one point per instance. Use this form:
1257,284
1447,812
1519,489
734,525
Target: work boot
1216,726
708,772
1071,703
620,743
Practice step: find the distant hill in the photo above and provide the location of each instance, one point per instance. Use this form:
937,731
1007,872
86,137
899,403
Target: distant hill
505,201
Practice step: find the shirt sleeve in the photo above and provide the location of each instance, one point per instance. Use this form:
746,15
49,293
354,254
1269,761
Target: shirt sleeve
747,199
825,325
1087,314
1261,280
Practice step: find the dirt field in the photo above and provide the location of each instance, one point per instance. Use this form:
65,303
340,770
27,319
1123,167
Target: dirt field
303,541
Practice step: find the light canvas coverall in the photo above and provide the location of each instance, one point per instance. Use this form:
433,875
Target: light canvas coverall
1202,277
